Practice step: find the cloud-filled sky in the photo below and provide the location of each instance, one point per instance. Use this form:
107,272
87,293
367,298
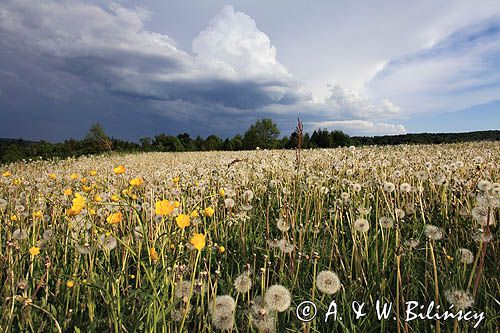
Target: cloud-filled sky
203,67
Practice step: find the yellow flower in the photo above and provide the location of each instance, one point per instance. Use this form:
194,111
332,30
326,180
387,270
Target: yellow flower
194,214
222,249
93,173
70,283
133,197
119,170
92,211
164,207
198,241
52,176
137,181
74,176
86,189
78,204
97,198
115,198
222,192
13,217
16,182
38,214
209,212
176,179
68,191
177,204
153,254
183,221
6,174
34,250
83,180
115,218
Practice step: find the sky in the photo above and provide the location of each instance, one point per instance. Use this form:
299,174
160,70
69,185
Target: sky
141,68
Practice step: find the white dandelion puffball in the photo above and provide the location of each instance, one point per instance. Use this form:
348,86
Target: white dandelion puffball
466,256
361,225
328,282
386,222
432,232
243,283
278,298
460,299
389,187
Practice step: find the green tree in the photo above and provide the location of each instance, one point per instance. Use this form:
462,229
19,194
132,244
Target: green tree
321,138
339,138
96,139
213,142
264,134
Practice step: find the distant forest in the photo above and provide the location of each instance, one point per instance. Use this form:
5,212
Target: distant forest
263,133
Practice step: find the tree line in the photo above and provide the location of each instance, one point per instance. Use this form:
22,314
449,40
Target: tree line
263,134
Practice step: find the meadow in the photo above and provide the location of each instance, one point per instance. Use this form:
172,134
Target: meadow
235,241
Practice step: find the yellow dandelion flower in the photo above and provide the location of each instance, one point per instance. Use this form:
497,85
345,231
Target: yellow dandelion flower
222,192
6,174
209,212
74,176
92,211
70,283
176,179
68,191
52,176
177,204
119,169
194,214
86,189
133,197
198,241
153,254
115,218
115,198
222,249
38,214
13,217
93,172
83,180
183,221
34,251
78,204
97,198
164,207
137,181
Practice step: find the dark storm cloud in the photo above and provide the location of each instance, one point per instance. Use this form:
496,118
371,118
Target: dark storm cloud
67,64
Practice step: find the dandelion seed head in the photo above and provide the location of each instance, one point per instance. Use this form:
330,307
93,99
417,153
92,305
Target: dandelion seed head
433,232
389,187
361,225
328,282
243,283
466,256
19,234
386,222
278,298
460,299
282,224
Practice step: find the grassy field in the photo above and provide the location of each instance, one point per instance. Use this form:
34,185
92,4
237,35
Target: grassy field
236,241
